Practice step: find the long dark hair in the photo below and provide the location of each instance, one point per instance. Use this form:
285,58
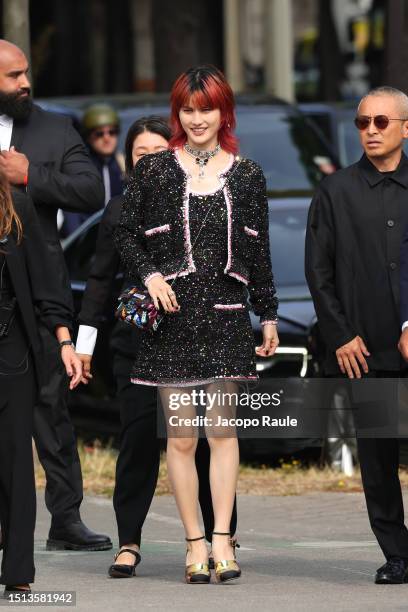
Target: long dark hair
152,123
8,215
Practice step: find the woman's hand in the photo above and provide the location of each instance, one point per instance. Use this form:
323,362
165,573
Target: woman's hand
270,341
161,291
86,361
73,365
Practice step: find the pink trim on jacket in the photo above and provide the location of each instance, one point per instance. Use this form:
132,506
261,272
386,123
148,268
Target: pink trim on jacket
141,381
239,277
174,274
251,232
229,231
186,223
158,230
229,306
152,275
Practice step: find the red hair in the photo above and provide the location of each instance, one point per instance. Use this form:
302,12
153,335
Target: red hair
204,86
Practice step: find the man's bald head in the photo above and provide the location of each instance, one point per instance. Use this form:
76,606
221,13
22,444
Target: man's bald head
9,49
15,99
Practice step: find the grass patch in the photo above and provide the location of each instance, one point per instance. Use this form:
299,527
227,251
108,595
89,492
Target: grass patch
289,478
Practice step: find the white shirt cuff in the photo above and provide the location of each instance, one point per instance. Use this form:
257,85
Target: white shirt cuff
86,339
404,325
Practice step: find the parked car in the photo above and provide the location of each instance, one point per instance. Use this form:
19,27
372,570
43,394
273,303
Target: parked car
294,158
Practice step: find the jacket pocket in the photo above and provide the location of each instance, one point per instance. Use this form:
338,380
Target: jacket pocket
159,240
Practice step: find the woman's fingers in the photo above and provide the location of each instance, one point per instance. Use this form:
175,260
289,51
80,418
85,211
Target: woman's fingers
270,341
77,372
73,368
165,300
86,365
173,299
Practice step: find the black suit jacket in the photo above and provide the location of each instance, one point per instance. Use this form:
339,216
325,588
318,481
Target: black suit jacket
354,232
404,278
34,280
106,267
60,175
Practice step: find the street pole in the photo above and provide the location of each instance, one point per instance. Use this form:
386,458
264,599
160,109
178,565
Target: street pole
396,40
233,67
16,24
279,49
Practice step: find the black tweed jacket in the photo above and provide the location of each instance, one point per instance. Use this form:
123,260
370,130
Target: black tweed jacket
153,235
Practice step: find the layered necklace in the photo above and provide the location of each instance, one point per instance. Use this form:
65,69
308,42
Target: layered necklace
201,157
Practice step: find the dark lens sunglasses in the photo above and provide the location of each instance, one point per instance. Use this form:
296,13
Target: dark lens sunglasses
381,122
111,132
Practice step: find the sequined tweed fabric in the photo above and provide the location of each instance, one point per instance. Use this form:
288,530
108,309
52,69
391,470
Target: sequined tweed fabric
211,336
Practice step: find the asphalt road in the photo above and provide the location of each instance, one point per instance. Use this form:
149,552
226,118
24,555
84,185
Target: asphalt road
309,553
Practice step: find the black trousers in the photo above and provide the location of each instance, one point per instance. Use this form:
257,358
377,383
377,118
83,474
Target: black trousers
379,463
55,439
137,466
17,487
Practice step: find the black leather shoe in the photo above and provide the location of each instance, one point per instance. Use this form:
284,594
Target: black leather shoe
120,570
76,536
392,572
12,590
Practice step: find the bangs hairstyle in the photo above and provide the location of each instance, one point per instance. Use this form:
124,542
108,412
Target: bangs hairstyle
152,123
204,87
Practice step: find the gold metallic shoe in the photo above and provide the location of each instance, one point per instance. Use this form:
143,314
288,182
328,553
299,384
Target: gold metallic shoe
226,569
197,573
234,544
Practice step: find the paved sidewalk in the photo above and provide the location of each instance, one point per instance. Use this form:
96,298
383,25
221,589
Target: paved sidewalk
309,553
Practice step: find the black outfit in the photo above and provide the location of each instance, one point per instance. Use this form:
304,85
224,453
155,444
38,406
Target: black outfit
25,275
60,175
353,240
211,337
138,461
72,220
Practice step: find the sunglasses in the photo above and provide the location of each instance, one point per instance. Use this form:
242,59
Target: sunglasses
381,122
110,131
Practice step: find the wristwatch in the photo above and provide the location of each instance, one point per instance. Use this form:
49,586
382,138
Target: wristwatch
67,343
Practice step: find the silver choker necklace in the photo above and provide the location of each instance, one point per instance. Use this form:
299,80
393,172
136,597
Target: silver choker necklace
201,157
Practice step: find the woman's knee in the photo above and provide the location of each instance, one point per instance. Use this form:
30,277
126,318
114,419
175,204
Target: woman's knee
184,446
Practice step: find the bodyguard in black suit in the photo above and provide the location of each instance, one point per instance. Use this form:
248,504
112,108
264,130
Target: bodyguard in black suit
43,155
26,281
353,240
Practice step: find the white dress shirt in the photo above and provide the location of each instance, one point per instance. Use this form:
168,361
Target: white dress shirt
86,339
6,130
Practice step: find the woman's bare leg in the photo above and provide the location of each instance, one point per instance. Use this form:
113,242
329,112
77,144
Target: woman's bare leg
224,464
181,448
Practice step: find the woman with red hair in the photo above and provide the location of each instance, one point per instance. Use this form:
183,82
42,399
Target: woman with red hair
194,229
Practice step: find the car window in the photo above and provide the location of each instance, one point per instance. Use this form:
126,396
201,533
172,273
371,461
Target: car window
289,151
80,254
287,230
